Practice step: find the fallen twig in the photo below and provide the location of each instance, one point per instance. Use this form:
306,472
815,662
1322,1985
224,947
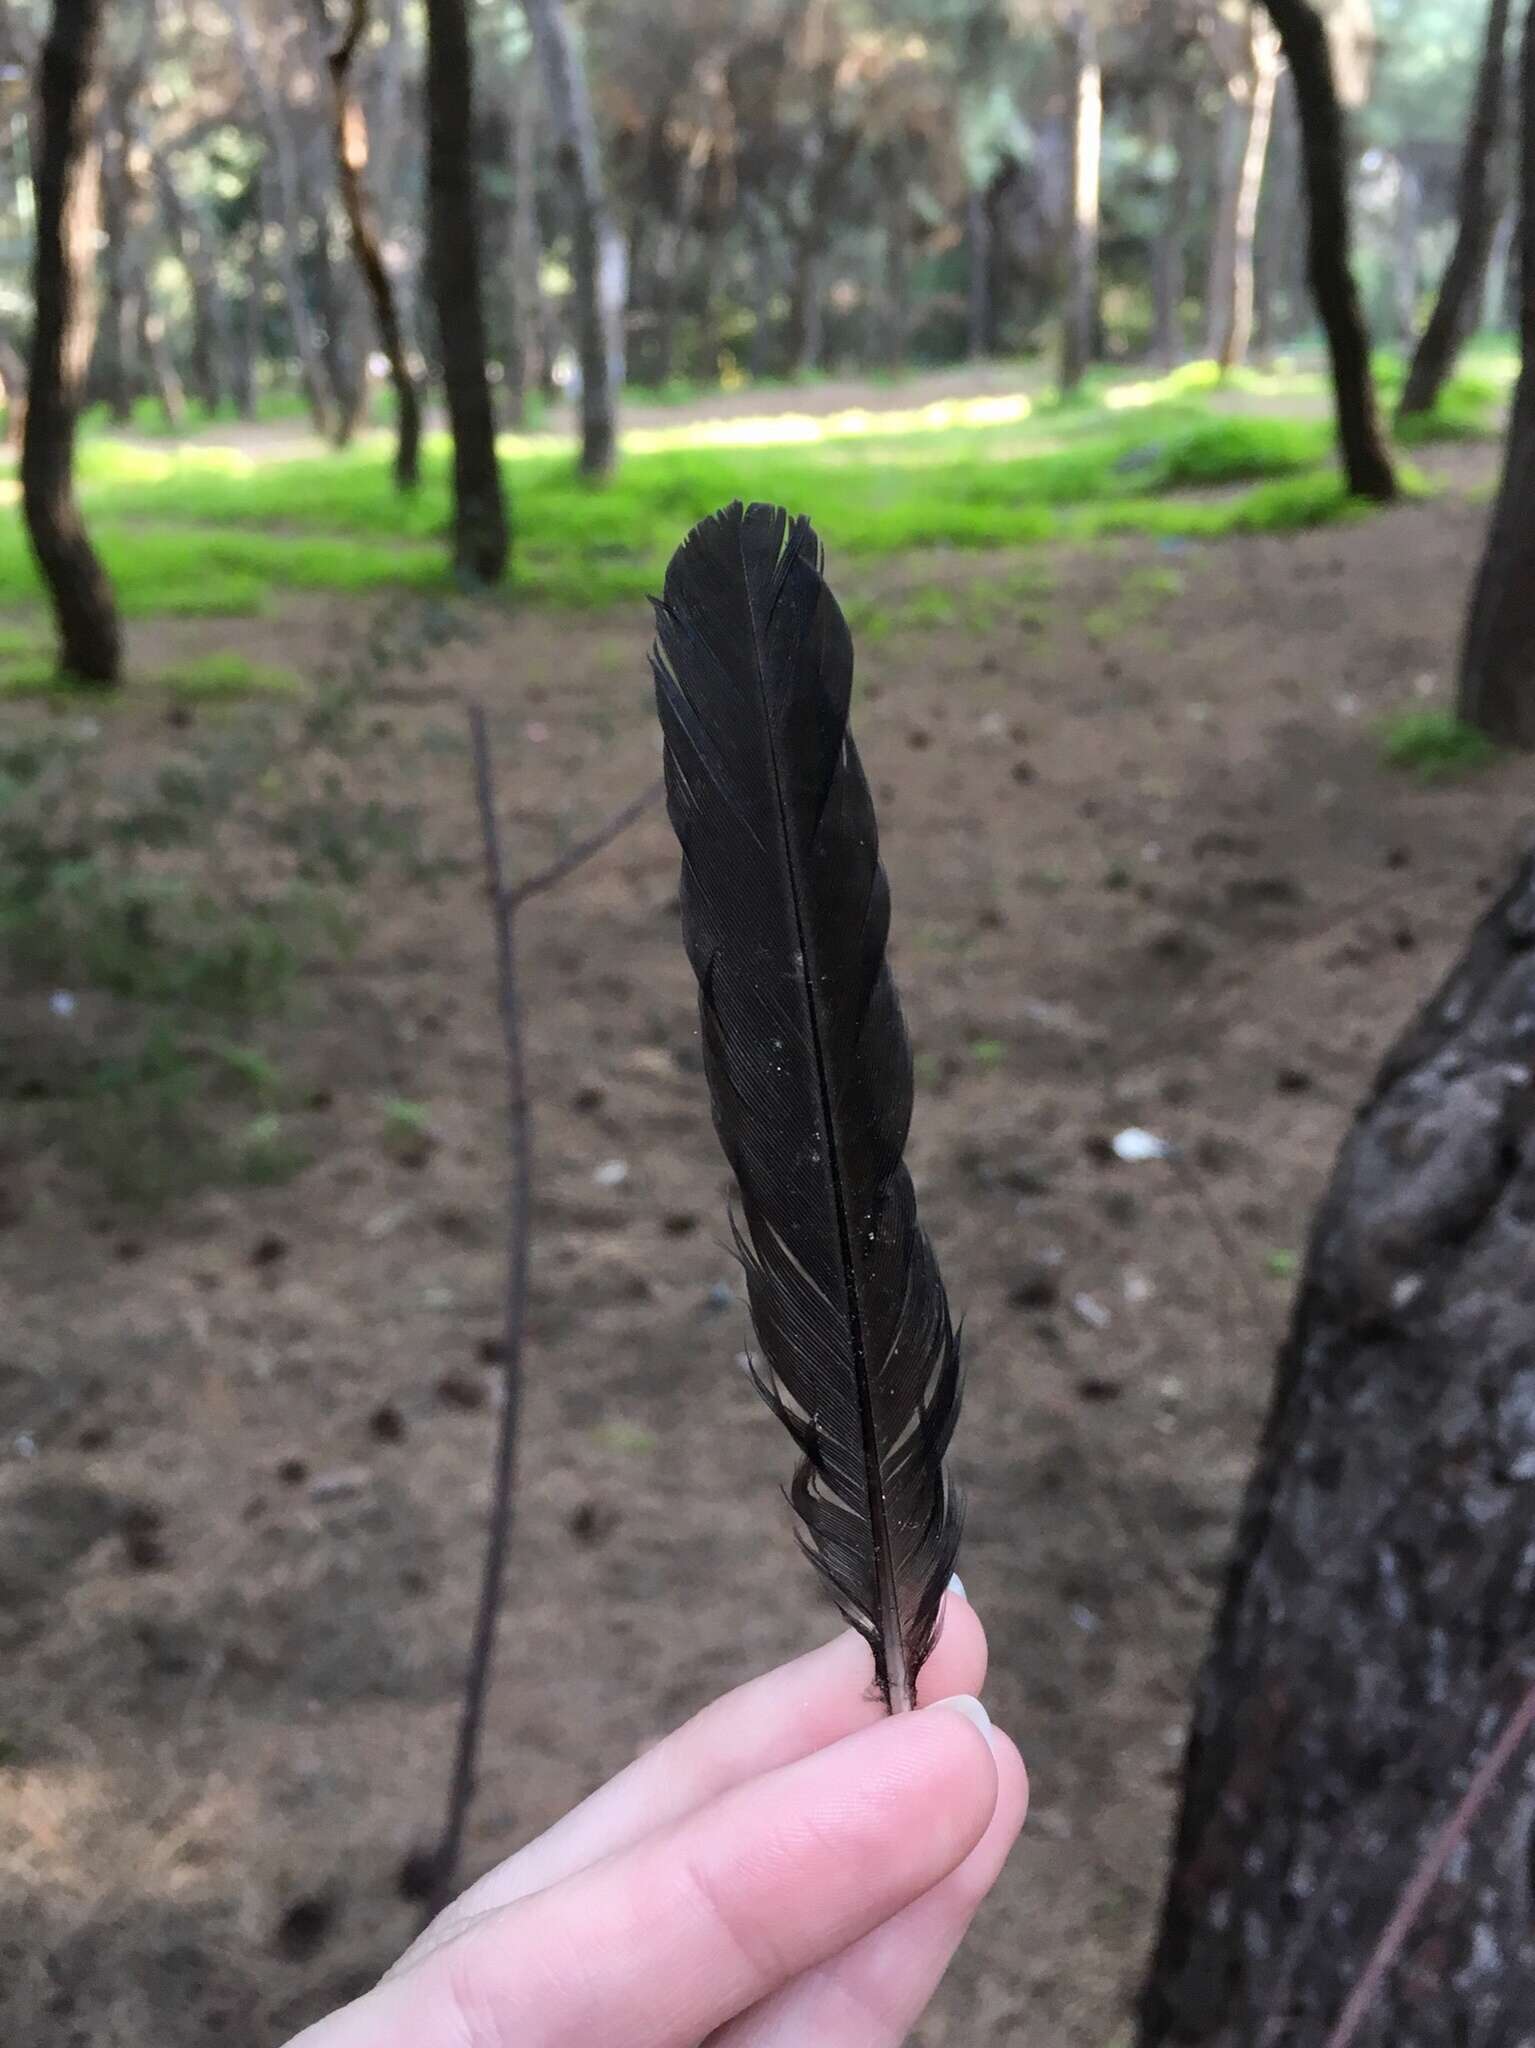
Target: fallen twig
519,1131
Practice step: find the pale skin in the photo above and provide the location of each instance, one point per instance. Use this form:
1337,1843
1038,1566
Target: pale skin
790,1867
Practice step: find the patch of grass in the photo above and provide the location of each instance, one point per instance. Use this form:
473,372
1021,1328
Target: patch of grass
1435,745
228,674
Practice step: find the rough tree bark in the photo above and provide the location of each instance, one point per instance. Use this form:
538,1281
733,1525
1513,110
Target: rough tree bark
1079,321
1324,155
66,178
480,534
1247,122
349,134
1479,204
580,168
1378,1624
1497,662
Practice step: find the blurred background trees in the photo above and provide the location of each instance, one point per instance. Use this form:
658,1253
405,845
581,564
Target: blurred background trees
722,188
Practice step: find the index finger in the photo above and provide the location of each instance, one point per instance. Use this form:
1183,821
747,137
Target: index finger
768,1722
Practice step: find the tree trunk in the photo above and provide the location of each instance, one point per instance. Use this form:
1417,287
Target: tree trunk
1366,459
113,378
1479,204
285,163
1278,279
897,294
575,150
155,353
523,323
675,229
349,134
67,176
1232,313
1379,1618
802,341
192,240
1168,257
1079,322
980,329
480,536
1497,663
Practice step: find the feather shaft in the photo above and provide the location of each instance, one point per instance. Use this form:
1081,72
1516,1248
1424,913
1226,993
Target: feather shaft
785,913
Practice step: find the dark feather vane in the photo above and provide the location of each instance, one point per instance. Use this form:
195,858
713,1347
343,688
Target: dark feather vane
785,912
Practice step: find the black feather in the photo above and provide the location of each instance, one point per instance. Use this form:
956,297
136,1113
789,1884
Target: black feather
785,912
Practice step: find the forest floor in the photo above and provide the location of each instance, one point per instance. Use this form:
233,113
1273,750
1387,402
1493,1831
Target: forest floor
1150,867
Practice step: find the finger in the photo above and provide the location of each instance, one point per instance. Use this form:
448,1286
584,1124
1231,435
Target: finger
664,1942
770,1721
873,1994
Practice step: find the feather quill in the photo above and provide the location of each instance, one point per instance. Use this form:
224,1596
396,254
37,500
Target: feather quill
785,913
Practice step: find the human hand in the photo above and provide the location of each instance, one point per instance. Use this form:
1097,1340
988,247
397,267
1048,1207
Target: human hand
791,1869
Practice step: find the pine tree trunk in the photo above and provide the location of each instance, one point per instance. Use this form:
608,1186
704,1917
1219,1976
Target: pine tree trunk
67,176
1458,303
1279,285
1378,1624
1366,459
576,155
190,237
980,327
287,191
480,535
1079,323
349,135
1169,264
1234,339
1497,664
523,321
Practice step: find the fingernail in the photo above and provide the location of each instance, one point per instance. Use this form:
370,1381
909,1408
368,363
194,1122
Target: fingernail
965,1703
957,1585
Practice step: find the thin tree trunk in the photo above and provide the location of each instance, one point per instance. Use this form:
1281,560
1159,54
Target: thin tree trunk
480,534
674,231
1478,208
1080,317
113,375
1169,259
155,353
190,236
1231,336
1366,459
576,156
802,341
67,178
523,324
1379,1617
349,132
1278,280
980,331
335,288
1495,291
1497,663
1409,219
285,163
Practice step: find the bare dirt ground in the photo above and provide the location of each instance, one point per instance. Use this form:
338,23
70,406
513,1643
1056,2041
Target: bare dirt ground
1148,868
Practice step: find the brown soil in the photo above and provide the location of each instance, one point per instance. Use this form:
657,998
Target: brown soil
1148,868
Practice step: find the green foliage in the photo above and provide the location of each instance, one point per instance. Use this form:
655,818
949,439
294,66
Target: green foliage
1435,745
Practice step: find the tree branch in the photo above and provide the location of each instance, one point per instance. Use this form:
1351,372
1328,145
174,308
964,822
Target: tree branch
519,1131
